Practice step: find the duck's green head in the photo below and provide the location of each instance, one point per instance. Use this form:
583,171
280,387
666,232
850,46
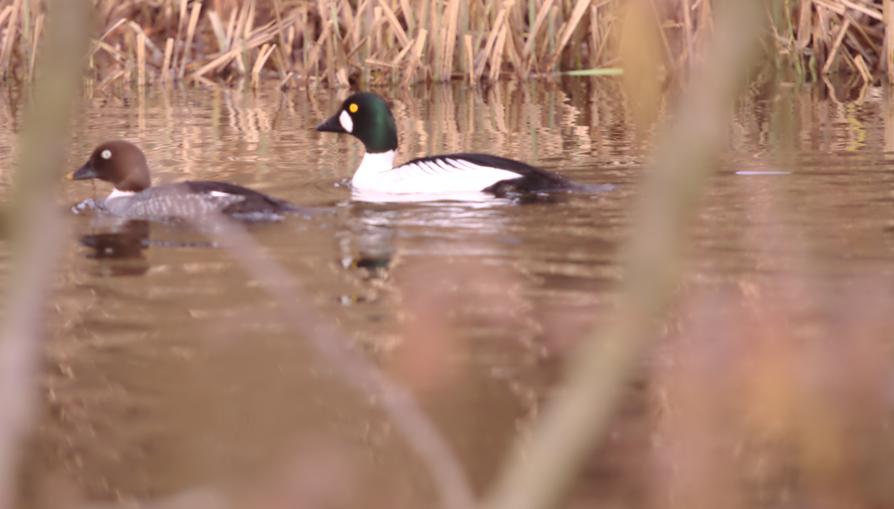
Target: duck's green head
367,117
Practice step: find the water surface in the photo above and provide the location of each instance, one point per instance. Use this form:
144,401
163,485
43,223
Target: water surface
169,369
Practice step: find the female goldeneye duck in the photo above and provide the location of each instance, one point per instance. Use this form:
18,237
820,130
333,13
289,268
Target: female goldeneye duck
134,197
367,117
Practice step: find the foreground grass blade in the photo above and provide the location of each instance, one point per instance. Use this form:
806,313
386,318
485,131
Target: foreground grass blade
544,465
35,228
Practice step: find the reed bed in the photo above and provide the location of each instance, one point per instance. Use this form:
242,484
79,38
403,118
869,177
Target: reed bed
822,37
333,42
340,42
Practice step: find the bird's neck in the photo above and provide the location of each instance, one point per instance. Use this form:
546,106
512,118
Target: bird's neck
373,165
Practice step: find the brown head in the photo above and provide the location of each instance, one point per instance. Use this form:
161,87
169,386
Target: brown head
120,162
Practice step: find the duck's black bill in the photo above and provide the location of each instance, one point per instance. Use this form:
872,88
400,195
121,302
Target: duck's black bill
332,125
85,172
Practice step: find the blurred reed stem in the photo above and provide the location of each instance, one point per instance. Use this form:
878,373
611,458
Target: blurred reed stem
543,465
35,229
355,370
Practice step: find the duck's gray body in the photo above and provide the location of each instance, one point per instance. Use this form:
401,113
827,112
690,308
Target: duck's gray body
186,200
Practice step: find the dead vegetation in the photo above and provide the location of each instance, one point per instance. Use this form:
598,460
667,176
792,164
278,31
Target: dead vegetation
821,37
338,42
330,41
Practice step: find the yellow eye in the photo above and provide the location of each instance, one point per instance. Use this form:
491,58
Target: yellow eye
353,107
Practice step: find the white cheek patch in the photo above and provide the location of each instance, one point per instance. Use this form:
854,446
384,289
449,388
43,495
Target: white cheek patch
106,154
345,120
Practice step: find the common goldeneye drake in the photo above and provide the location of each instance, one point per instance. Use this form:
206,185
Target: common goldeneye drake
367,117
134,197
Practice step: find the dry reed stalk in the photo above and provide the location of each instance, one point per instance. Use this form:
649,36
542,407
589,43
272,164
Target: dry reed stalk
669,54
5,13
530,43
238,36
492,37
190,34
349,19
263,55
510,51
496,58
400,56
805,18
38,29
836,46
863,69
217,28
706,18
821,40
108,80
593,42
141,58
832,5
395,24
248,28
112,51
448,42
862,43
408,15
284,83
416,55
576,15
166,61
231,28
225,58
181,26
141,43
310,65
687,30
9,41
470,57
889,39
281,33
872,13
355,28
109,31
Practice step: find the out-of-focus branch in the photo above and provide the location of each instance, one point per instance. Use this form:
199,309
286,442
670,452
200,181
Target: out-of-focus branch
543,466
334,347
35,230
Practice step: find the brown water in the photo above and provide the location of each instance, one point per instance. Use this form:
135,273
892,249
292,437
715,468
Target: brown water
170,370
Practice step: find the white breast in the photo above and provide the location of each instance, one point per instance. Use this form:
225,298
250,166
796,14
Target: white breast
116,193
444,175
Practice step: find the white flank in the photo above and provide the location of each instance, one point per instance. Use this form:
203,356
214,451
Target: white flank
117,193
435,177
468,197
220,194
345,120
